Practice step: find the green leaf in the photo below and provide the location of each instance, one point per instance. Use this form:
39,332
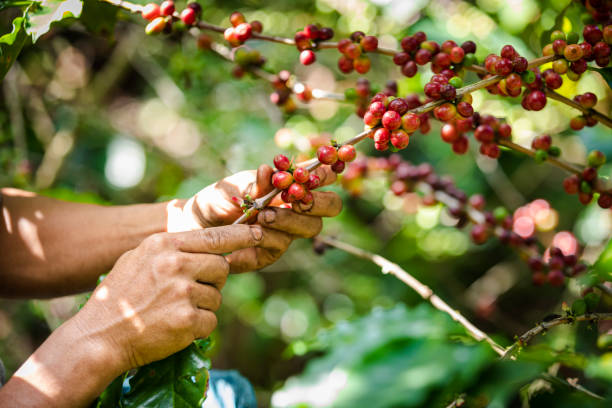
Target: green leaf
11,44
112,394
50,12
15,3
545,37
603,266
99,17
606,73
579,307
179,381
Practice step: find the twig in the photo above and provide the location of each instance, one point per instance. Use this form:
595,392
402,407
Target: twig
424,291
526,337
601,118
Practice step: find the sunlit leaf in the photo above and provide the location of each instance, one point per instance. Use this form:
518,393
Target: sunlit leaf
11,44
49,12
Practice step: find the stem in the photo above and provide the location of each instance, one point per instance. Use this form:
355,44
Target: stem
526,337
572,168
601,118
424,291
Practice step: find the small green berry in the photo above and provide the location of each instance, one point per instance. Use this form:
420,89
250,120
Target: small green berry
554,151
585,187
528,76
572,37
456,82
557,35
500,213
596,158
540,156
350,94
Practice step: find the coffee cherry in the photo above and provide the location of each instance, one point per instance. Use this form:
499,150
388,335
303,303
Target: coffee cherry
536,100
296,192
461,145
538,278
189,16
465,109
578,67
282,179
338,167
605,200
327,154
553,80
484,134
285,196
422,56
601,50
256,26
381,147
398,105
237,18
352,51
585,198
540,156
469,47
167,8
151,11
282,162
409,69
196,7
578,122
307,57
377,109
448,92
592,34
449,133
399,139
503,66
369,43
362,64
557,35
457,54
243,32
490,149
588,100
571,184
559,46
479,234
391,120
445,112
347,153
401,58
556,277
345,64
520,64
301,175
382,136
572,52
313,182
157,25
542,142
596,158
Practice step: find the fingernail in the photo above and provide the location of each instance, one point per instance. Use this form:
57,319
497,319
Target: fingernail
269,216
256,232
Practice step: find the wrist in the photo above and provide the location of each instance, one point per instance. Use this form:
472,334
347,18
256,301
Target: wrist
182,216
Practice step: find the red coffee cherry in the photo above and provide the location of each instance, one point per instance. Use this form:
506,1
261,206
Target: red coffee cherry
556,277
338,167
307,57
237,18
167,8
282,179
479,234
484,134
382,136
282,162
369,43
542,142
399,139
151,11
592,34
313,182
347,153
571,184
296,192
189,16
391,120
327,154
449,133
301,175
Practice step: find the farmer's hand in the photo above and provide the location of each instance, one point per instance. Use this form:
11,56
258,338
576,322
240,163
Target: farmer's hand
214,206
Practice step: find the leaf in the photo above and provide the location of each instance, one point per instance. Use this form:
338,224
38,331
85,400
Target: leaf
603,266
178,381
11,44
50,12
112,394
545,37
15,3
99,17
606,73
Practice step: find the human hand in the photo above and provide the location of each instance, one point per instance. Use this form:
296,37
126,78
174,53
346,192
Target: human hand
214,206
162,295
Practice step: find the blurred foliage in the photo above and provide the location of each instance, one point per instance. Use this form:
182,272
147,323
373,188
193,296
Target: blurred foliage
118,117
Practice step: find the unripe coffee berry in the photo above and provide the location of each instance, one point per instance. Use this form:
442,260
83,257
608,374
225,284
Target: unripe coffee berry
157,25
572,52
327,154
347,153
596,158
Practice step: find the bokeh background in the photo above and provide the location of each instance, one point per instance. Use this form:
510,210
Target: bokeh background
120,118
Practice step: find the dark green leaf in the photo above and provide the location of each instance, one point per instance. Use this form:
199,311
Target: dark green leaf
50,12
592,301
11,44
606,73
579,307
99,17
603,266
177,381
112,394
15,3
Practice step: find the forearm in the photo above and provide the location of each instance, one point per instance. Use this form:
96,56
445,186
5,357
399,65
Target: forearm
69,369
52,248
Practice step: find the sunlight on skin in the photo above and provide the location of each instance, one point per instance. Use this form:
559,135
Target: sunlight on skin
102,293
29,232
130,314
7,220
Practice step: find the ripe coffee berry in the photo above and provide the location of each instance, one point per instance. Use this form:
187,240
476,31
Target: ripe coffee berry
399,139
151,11
296,192
369,43
189,16
411,122
449,133
338,166
237,18
301,175
391,120
327,154
484,134
479,234
282,162
307,57
167,8
347,153
157,25
282,179
465,109
542,142
313,182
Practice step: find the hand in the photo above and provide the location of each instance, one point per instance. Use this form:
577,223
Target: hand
162,295
214,206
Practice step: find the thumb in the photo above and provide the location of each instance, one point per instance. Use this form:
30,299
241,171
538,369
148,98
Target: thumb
220,240
263,181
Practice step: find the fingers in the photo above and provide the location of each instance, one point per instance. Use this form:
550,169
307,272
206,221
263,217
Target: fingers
325,204
286,220
205,323
250,259
263,184
219,240
207,269
205,296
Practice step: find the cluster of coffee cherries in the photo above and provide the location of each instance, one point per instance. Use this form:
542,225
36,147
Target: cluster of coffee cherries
585,183
507,62
245,59
595,47
354,51
240,31
417,50
543,148
336,157
587,100
396,120
282,92
162,16
295,183
307,39
556,268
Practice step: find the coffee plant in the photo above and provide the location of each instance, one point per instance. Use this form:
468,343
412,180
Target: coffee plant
380,359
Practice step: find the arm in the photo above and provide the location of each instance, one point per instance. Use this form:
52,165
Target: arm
52,248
